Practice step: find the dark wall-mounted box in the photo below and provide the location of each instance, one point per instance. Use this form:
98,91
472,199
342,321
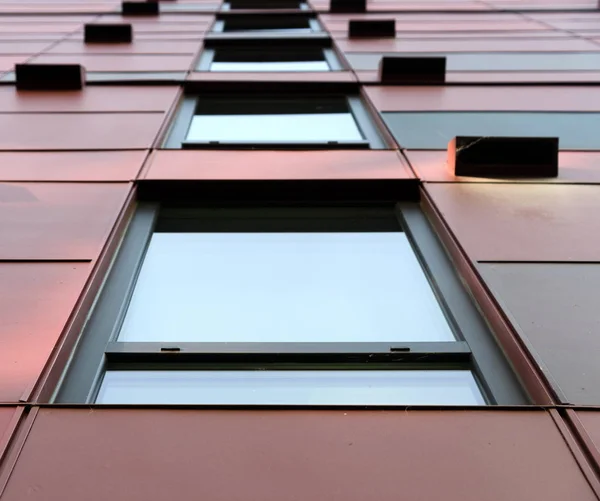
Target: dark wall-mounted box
412,70
140,8
503,156
373,28
49,76
108,33
348,6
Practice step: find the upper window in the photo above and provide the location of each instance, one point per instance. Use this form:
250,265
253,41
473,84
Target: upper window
268,58
276,24
264,4
284,306
280,121
433,130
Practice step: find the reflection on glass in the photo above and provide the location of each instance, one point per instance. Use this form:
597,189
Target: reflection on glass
271,66
283,287
273,128
290,388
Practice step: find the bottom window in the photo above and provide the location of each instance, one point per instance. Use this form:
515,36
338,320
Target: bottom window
318,387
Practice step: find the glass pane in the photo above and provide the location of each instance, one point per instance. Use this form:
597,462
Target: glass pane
308,127
283,287
271,66
273,30
433,130
291,388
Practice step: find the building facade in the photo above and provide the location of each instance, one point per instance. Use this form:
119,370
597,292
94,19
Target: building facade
280,250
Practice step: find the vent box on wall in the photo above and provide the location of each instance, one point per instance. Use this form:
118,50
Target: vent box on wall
108,33
348,6
503,156
49,76
140,8
412,70
372,28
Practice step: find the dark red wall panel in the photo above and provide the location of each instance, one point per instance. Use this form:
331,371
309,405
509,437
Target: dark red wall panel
501,98
90,99
125,62
36,300
231,165
71,165
78,131
67,221
574,167
554,308
153,455
522,222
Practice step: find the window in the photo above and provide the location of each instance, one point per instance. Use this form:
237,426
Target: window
293,306
267,58
264,4
277,24
576,131
285,122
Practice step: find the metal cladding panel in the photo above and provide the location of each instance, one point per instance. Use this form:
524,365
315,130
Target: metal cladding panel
136,47
78,131
7,63
11,48
7,417
474,98
66,221
152,455
508,77
453,45
574,167
266,165
591,421
522,222
554,308
90,99
71,165
124,62
36,300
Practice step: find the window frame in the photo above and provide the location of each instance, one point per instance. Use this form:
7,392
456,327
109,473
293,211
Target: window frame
218,26
474,349
267,5
176,137
208,55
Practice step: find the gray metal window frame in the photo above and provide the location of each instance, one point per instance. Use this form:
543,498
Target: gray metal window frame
219,27
226,7
176,136
475,348
208,55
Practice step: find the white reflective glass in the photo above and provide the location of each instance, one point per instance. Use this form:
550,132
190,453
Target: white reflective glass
271,66
283,287
291,388
271,30
274,128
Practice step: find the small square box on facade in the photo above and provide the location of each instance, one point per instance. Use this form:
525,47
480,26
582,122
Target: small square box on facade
372,28
108,33
412,70
348,6
49,76
140,8
503,156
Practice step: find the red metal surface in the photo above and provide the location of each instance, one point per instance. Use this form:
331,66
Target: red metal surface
509,77
90,99
287,455
22,47
475,98
35,302
522,222
130,62
574,167
136,47
9,418
231,165
78,131
67,221
452,45
587,425
71,165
